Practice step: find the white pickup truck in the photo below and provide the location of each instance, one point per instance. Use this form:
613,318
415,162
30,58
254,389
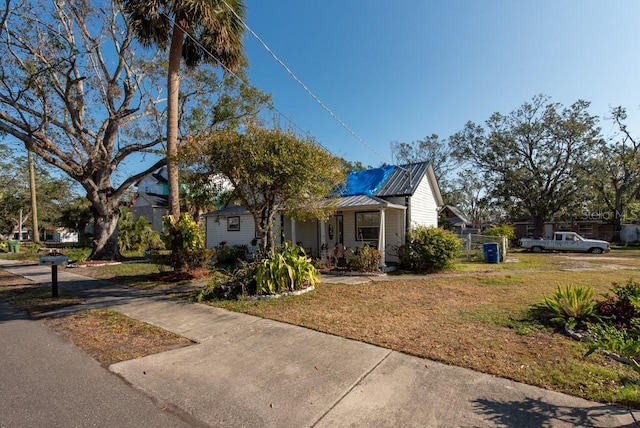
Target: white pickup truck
565,241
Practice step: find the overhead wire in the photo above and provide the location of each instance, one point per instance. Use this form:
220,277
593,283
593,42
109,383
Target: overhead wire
240,79
292,74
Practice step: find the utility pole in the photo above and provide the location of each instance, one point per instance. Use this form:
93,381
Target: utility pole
34,203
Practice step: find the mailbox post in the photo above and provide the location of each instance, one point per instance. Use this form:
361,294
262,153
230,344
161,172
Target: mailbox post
54,260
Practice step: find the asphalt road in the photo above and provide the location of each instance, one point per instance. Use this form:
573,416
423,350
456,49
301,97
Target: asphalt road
45,381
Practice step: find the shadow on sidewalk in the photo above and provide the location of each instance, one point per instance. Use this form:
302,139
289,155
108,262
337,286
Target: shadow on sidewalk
9,312
532,412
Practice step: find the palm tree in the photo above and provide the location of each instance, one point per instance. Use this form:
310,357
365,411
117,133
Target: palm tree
216,29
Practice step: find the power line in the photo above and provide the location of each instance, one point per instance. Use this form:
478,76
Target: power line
292,74
240,79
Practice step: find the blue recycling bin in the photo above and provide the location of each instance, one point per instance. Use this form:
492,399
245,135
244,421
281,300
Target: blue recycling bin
491,253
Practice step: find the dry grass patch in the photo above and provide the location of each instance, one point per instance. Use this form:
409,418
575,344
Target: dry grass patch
477,321
31,297
143,276
106,334
111,337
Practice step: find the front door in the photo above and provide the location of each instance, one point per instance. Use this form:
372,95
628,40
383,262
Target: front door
336,229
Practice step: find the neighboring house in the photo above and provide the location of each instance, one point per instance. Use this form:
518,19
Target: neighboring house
630,233
456,217
587,228
65,235
152,200
376,207
152,207
156,183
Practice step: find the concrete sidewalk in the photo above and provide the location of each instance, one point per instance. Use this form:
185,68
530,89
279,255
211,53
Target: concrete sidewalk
253,372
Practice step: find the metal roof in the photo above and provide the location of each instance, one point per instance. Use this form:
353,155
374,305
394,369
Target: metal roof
154,200
231,210
159,178
364,201
403,180
456,212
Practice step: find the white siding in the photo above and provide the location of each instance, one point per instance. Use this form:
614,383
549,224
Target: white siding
151,185
153,214
394,235
216,231
423,206
307,235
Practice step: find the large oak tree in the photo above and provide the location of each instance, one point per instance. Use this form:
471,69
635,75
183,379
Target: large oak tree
615,174
75,93
532,159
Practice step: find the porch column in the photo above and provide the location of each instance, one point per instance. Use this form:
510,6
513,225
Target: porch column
381,240
293,232
322,241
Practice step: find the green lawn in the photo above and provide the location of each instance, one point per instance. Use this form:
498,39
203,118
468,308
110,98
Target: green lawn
477,317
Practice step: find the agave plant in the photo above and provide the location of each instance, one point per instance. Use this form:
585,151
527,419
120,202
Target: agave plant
287,270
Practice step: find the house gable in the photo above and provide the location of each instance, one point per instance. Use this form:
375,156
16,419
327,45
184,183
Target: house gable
155,184
152,207
455,216
233,225
415,186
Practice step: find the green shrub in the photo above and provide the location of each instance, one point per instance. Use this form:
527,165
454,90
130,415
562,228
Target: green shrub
230,254
365,260
241,282
186,241
623,342
568,306
623,306
501,230
77,255
136,235
287,270
618,326
429,249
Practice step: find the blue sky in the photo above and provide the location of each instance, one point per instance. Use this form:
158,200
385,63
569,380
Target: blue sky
398,71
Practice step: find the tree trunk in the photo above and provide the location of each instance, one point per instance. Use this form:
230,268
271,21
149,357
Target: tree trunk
104,245
618,217
264,226
538,226
105,207
173,92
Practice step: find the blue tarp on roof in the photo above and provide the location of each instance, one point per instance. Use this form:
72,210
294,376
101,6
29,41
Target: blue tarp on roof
366,182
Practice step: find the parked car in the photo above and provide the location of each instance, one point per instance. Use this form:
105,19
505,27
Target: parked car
566,241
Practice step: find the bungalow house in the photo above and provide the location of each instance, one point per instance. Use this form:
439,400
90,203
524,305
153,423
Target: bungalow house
152,198
586,227
457,218
376,207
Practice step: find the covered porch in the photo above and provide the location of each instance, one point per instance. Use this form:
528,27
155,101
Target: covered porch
358,221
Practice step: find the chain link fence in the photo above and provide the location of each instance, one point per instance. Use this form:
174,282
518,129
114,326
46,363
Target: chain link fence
472,245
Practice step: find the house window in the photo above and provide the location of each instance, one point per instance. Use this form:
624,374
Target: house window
233,223
585,230
367,225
